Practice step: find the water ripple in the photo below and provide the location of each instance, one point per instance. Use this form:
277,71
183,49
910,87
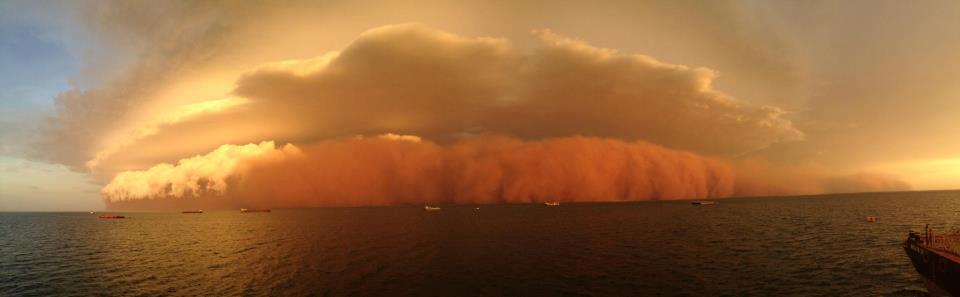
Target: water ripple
801,246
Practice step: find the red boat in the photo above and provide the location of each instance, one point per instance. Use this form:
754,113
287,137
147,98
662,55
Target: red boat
936,257
112,217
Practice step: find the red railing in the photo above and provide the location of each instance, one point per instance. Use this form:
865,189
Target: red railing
947,242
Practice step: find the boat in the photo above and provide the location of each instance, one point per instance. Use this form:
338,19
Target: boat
430,208
112,217
872,219
703,202
937,259
193,211
551,203
254,210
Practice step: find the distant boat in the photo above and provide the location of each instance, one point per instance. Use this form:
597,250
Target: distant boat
551,203
872,219
430,208
193,211
703,202
254,210
112,217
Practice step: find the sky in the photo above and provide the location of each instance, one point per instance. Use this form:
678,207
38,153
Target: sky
106,104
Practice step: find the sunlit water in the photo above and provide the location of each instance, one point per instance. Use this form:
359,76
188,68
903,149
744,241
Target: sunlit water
797,246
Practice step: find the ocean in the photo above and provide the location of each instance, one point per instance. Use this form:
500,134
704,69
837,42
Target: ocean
788,246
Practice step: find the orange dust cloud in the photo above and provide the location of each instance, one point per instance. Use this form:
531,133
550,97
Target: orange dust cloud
390,170
404,170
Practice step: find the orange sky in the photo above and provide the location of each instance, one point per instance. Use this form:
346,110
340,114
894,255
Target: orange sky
803,97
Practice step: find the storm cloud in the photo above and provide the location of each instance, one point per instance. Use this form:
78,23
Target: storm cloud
451,91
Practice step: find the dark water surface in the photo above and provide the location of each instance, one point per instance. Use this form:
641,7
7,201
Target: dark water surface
795,246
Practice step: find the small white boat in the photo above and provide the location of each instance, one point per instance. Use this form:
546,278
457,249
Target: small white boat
551,203
430,208
703,202
254,210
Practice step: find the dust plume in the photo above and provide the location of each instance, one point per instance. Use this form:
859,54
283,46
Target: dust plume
391,170
757,177
405,170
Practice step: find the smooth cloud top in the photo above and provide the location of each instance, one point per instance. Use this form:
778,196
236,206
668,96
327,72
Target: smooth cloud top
414,80
417,80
